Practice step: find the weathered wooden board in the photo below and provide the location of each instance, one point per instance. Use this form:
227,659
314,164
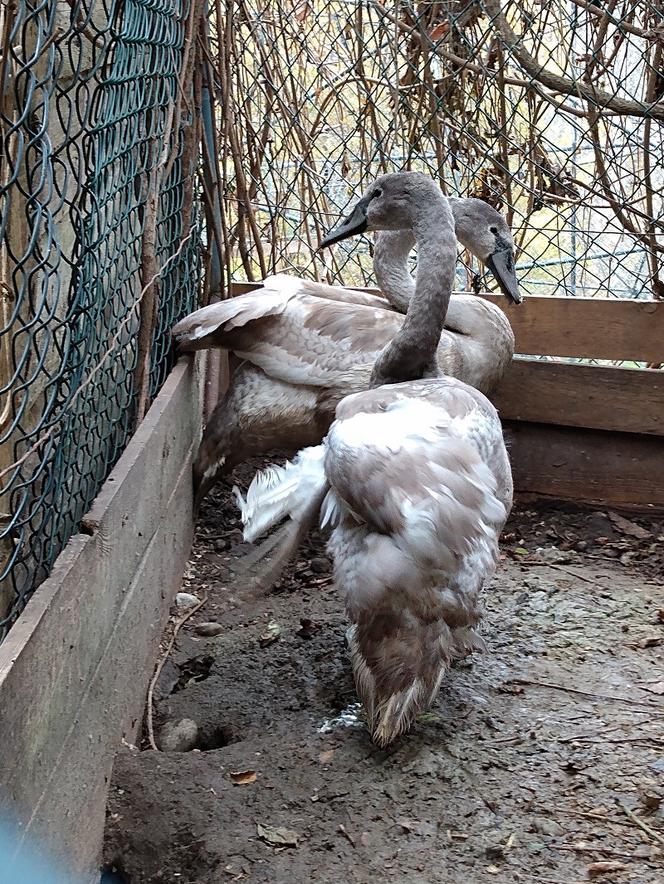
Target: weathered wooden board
593,396
75,668
592,328
587,466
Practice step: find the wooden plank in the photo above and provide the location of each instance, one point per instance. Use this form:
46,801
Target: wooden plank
593,396
592,328
587,466
74,669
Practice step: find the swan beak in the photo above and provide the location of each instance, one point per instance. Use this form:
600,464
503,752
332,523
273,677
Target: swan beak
501,264
351,225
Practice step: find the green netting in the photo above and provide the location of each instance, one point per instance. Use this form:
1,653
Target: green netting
96,165
550,111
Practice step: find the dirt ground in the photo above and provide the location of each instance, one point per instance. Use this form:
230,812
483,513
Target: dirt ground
542,760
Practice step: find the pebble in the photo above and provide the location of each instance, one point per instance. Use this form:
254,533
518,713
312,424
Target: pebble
178,736
320,565
186,600
548,827
209,628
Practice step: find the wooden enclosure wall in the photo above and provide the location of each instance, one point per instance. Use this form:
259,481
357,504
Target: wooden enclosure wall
589,433
583,432
74,669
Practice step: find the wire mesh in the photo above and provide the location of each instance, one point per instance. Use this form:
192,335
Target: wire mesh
98,252
552,112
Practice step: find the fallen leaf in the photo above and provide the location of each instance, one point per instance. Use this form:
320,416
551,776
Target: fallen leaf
507,688
437,32
326,756
652,641
520,550
604,867
629,527
365,840
243,777
278,836
493,870
308,628
655,687
270,635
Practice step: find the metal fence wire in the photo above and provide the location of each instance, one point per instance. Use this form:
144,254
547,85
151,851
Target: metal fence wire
98,252
551,111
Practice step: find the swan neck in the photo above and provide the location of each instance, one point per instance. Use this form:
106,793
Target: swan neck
390,260
412,352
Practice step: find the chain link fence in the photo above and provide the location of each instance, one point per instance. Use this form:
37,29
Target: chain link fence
552,112
98,252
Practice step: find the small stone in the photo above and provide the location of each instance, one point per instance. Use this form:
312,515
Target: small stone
186,600
178,736
320,566
209,628
495,851
548,827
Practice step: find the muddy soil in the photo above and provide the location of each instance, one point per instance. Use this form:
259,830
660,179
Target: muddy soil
542,760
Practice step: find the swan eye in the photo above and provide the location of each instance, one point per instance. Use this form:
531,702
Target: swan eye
377,192
494,230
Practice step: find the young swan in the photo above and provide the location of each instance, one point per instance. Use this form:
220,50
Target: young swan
305,345
413,478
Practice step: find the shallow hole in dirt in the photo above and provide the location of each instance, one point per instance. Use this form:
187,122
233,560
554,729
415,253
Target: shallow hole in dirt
217,738
113,874
192,671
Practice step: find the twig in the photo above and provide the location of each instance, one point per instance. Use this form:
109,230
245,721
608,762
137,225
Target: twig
592,694
537,71
160,665
639,822
557,568
605,851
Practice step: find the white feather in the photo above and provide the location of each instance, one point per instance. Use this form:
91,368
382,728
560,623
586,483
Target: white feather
281,492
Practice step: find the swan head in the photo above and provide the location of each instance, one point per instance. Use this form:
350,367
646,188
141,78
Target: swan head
486,234
407,200
396,201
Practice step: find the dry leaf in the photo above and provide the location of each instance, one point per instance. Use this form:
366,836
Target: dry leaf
302,10
437,32
243,777
326,756
629,527
604,867
277,836
655,687
365,839
270,635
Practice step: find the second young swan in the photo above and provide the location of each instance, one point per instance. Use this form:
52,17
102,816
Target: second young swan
413,478
303,345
